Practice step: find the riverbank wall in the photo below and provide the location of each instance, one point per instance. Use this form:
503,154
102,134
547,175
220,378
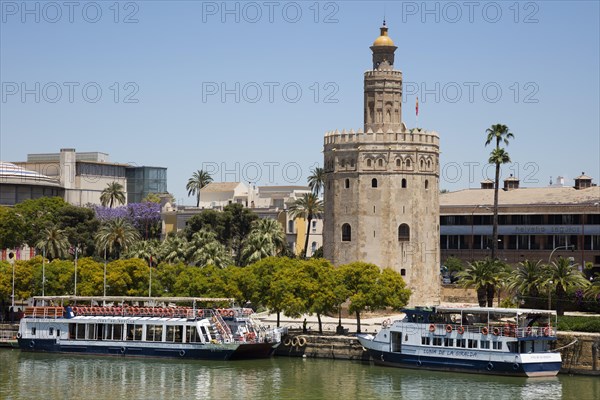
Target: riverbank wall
580,351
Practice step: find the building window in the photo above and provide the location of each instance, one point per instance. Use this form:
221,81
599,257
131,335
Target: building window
426,184
347,183
368,163
422,163
290,226
346,233
342,163
403,233
408,163
403,272
398,162
380,163
313,247
403,183
314,226
374,183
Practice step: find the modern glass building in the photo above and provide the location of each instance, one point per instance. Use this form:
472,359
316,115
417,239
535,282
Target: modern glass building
142,181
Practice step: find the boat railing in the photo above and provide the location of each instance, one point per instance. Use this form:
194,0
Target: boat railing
44,312
506,330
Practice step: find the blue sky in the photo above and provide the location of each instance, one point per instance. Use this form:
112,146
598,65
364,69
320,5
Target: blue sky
247,90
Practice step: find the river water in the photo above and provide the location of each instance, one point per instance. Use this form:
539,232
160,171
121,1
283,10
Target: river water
52,376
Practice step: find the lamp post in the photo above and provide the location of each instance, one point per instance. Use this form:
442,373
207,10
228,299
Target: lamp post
550,295
44,274
76,251
568,246
11,260
104,282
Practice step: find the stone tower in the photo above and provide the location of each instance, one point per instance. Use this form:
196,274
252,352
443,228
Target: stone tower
382,186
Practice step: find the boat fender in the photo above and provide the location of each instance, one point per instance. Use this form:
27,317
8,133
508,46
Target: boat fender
516,366
182,353
295,342
302,341
460,330
122,350
287,341
32,344
231,313
449,328
496,331
484,330
18,335
432,328
490,366
419,363
528,331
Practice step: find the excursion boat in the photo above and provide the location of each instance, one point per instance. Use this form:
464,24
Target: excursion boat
151,327
499,341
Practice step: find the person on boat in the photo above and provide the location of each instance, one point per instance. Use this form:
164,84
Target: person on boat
304,326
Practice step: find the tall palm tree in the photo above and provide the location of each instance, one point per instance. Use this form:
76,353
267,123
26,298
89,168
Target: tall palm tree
198,180
481,275
266,239
146,250
308,207
111,193
316,180
593,291
559,277
173,249
498,133
525,279
54,242
116,235
204,249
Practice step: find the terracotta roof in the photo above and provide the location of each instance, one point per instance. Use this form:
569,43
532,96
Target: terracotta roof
220,187
522,196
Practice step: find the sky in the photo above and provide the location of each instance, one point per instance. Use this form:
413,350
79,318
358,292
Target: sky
246,90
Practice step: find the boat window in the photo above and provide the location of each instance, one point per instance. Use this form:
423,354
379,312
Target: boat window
205,333
192,335
425,340
134,332
437,341
485,344
51,331
472,343
448,342
497,345
72,331
154,333
81,331
397,342
33,330
58,332
91,331
117,332
461,343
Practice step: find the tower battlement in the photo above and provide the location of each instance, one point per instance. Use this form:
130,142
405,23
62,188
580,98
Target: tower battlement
380,73
414,137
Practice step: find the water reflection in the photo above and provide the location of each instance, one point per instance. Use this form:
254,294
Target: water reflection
34,376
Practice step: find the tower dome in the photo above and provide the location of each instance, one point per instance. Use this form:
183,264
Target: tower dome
383,39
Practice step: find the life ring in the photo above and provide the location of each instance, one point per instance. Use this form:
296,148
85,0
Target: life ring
496,331
18,335
419,363
250,336
547,331
287,341
506,331
122,350
295,342
231,313
449,328
490,367
302,341
32,344
460,330
484,330
181,353
432,328
516,366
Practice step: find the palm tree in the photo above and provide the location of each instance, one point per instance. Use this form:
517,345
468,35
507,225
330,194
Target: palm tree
198,180
111,193
146,250
116,235
498,133
173,249
316,180
204,249
525,279
483,276
559,277
266,239
593,291
308,207
54,242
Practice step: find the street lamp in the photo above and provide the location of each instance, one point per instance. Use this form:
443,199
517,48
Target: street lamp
558,248
76,251
11,260
550,295
104,284
43,274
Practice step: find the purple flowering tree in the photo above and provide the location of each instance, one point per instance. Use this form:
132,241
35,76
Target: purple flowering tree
145,217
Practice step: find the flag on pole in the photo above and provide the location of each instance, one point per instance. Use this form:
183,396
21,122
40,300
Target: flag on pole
417,106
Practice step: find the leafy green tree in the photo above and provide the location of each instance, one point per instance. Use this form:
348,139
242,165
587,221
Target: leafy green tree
497,133
307,207
266,239
316,180
265,271
237,221
241,283
53,242
113,192
163,281
207,220
559,277
80,226
289,289
90,277
116,235
198,180
395,294
25,284
12,228
201,282
363,282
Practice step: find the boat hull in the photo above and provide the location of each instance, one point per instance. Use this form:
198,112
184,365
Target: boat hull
492,367
124,349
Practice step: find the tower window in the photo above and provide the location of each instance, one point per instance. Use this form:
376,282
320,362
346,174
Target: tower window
422,163
403,233
426,184
403,272
346,233
291,226
408,163
368,162
398,162
374,183
342,163
347,183
403,183
380,162
428,164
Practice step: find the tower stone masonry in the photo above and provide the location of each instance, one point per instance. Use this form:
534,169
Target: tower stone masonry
382,186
